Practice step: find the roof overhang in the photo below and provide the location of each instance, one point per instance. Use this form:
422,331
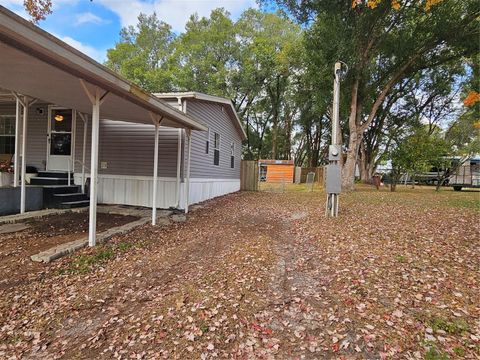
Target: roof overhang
210,98
37,64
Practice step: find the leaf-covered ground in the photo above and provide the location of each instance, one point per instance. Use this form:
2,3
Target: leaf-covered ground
265,275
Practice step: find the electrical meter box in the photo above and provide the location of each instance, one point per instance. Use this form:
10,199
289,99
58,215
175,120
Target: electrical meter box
334,152
334,179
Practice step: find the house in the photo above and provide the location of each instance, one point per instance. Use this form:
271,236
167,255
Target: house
56,143
79,123
276,171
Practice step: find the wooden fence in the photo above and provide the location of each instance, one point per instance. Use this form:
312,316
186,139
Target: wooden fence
249,175
301,174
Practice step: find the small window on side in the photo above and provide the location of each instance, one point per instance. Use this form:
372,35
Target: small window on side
207,143
232,155
216,147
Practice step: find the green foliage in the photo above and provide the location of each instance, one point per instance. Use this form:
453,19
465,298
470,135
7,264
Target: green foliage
459,351
456,326
83,264
418,152
143,54
434,354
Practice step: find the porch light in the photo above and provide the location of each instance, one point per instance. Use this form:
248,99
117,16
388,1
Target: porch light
58,118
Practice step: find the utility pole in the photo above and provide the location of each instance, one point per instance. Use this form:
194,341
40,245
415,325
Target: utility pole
334,171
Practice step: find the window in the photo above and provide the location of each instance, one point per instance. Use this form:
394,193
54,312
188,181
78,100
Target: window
207,143
232,155
7,134
216,147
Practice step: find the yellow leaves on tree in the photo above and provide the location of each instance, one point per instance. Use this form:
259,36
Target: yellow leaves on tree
471,98
38,9
430,3
396,4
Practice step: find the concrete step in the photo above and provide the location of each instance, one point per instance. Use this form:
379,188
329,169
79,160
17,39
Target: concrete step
69,197
40,180
74,204
50,200
62,189
55,174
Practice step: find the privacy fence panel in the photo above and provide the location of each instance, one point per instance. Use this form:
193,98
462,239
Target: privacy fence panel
249,175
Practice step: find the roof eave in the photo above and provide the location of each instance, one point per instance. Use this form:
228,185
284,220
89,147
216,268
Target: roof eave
205,97
18,32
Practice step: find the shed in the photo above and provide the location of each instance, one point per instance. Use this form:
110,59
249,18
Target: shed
276,171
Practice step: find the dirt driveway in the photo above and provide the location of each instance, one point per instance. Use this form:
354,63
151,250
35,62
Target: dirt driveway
265,275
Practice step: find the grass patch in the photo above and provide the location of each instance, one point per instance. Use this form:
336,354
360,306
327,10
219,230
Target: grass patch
434,354
401,259
468,203
459,351
83,264
124,246
451,327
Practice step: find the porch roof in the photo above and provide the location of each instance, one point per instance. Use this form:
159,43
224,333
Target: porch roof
37,64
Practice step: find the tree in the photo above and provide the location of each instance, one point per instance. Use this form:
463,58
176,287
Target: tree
384,43
418,152
143,53
38,9
206,54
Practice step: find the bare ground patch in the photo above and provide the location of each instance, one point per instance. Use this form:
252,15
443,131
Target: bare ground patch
265,275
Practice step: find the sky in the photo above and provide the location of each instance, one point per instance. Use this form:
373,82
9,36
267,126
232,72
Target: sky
94,26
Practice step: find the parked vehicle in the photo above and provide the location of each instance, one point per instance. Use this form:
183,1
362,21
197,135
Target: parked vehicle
467,175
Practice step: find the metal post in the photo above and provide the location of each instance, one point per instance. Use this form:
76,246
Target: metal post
179,164
155,177
17,138
94,169
24,154
187,181
331,206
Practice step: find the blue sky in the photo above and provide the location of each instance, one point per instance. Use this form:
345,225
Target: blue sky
93,26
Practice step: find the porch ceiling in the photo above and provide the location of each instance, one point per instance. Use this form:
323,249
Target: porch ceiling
35,63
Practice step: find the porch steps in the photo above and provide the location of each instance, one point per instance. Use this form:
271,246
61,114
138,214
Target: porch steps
43,180
56,193
74,204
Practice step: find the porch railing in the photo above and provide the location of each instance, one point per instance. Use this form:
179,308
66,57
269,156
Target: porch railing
72,166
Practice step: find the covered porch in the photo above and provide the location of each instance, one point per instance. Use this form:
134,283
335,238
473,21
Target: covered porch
37,68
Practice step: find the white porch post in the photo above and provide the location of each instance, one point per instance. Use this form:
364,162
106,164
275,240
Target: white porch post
17,141
179,164
24,154
84,148
187,181
155,176
96,99
92,226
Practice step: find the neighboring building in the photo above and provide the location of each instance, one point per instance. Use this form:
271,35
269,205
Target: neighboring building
276,171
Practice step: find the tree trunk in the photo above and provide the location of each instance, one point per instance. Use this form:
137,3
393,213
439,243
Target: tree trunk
393,185
274,140
348,170
363,164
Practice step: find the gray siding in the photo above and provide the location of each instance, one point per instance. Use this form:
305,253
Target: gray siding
127,149
36,133
218,121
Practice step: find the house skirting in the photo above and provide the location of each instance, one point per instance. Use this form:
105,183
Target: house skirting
137,190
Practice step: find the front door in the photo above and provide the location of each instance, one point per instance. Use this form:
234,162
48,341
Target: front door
60,146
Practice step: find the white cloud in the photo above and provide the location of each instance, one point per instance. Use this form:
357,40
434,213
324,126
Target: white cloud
96,54
88,17
173,12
